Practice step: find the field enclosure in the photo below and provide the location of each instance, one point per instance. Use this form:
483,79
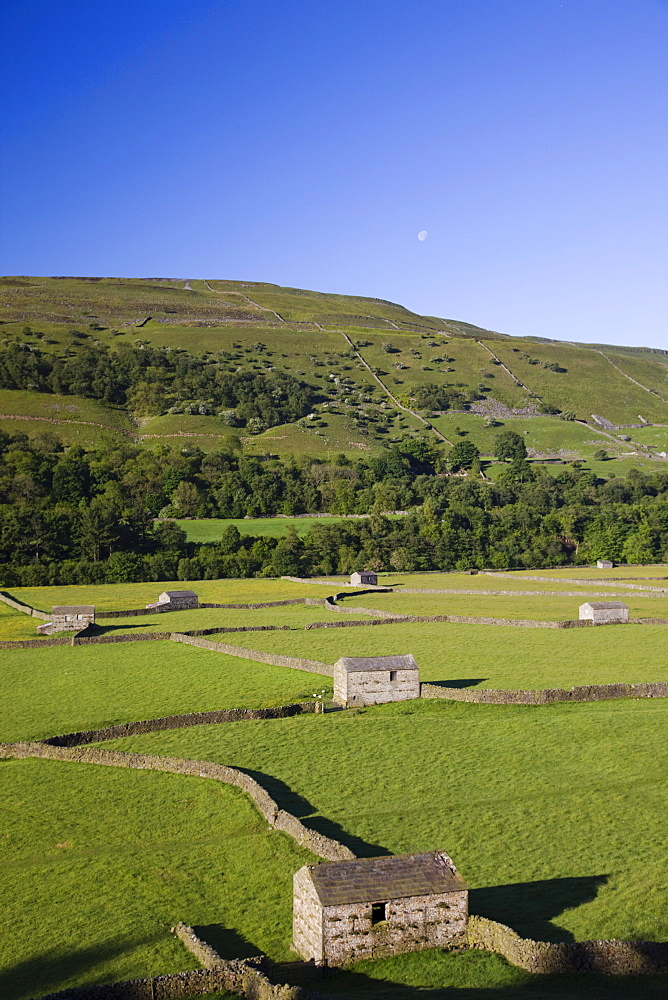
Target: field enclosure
142,850
367,361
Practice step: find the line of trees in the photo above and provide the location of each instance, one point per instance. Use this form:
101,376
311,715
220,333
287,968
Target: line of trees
70,515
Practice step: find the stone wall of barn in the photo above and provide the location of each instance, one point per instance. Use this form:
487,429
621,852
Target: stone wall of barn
374,687
411,924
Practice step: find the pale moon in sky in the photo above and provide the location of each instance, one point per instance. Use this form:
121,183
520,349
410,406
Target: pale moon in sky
422,235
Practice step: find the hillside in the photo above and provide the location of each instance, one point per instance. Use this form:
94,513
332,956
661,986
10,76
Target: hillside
360,373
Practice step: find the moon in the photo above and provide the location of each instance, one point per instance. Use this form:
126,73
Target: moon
422,235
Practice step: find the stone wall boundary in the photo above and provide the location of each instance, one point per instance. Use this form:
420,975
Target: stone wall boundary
617,958
590,692
582,581
26,609
135,612
296,663
277,818
183,721
514,593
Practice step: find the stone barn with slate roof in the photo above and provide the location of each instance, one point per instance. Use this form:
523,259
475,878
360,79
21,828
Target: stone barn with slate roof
604,564
175,600
345,911
602,612
68,618
374,680
364,577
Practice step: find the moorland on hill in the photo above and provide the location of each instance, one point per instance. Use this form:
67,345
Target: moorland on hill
283,371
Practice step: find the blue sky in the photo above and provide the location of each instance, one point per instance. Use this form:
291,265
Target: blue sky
307,143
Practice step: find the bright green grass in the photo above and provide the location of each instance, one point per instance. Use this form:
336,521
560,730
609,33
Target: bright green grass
296,616
65,689
62,409
650,575
545,608
212,529
657,436
590,384
494,656
98,863
554,815
555,579
119,596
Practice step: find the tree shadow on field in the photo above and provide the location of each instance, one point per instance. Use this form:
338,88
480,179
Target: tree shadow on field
530,907
300,807
227,942
458,682
47,972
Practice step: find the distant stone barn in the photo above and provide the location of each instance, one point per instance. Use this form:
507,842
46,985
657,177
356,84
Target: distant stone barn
603,612
364,578
604,564
68,618
345,911
175,600
374,680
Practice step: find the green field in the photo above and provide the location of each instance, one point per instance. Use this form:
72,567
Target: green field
87,687
491,784
117,858
273,527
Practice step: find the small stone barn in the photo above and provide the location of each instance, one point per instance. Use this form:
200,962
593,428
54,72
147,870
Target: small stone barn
68,618
345,911
602,612
365,577
175,600
604,564
374,680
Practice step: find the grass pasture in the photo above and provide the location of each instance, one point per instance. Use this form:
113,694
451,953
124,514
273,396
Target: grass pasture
211,529
65,689
164,847
489,783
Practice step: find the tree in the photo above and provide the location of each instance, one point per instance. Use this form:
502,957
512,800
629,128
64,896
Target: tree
509,446
463,455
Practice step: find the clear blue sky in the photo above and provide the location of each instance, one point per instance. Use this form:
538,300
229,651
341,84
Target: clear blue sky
307,143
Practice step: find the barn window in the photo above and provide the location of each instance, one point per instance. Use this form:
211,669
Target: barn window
393,675
377,913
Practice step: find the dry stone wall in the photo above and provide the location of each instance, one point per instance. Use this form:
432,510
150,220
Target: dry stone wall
590,692
617,958
296,663
583,582
24,608
279,819
179,722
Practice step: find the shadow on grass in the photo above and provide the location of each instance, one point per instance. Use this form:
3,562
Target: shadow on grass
342,984
296,804
94,630
529,907
227,942
48,972
458,682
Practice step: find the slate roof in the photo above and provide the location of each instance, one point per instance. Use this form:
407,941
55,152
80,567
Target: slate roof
368,880
604,605
73,609
377,663
171,594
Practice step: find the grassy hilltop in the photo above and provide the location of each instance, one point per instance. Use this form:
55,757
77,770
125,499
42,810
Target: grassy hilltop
358,361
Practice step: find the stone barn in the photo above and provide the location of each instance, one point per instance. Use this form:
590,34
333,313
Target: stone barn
604,564
345,911
364,578
68,618
175,600
602,612
374,680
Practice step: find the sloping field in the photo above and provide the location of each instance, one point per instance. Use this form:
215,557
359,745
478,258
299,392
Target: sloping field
491,784
119,857
65,689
